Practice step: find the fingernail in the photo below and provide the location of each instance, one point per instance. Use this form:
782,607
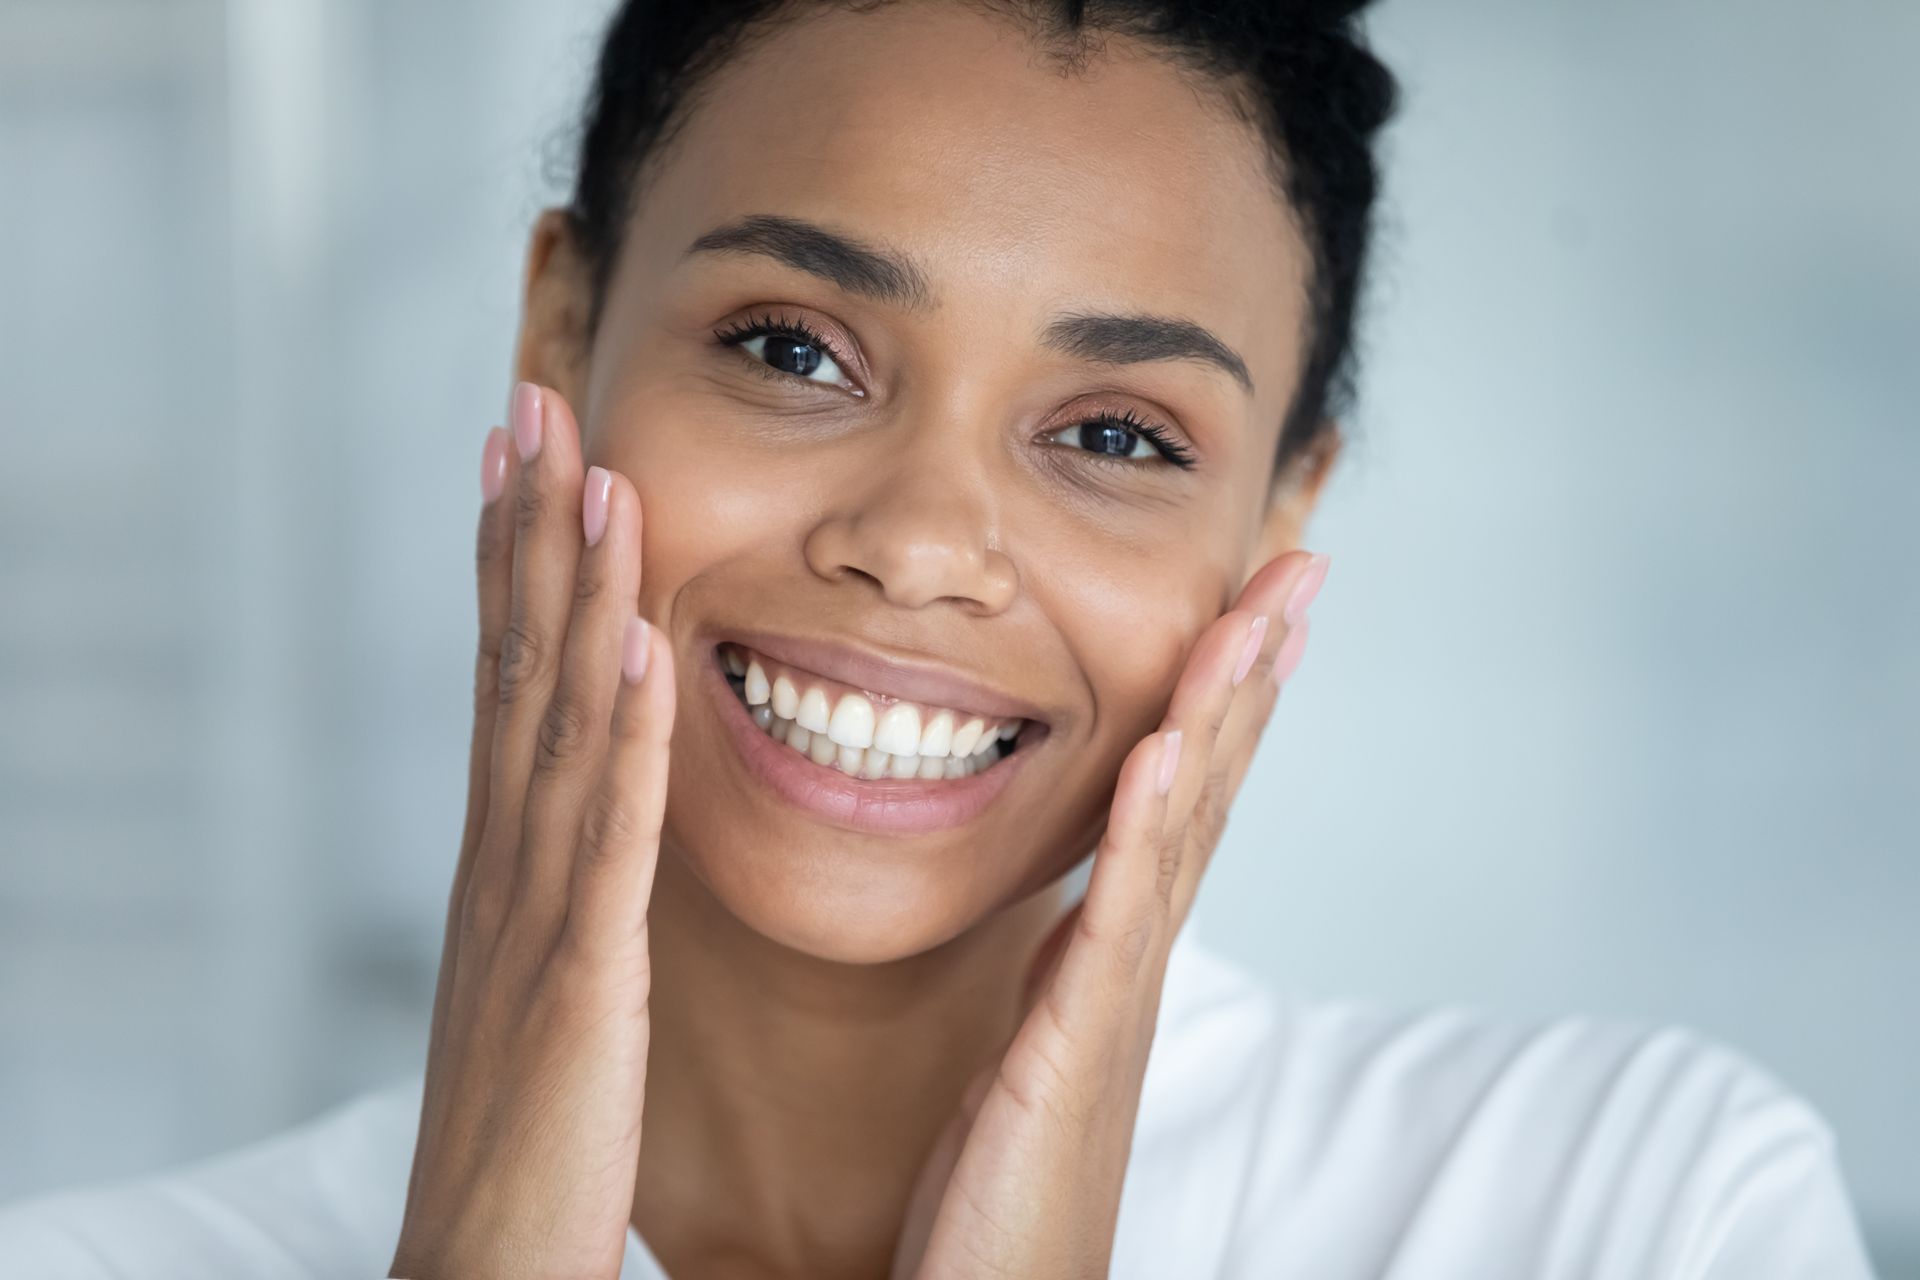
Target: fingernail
593,503
1169,761
493,465
526,419
1306,589
1256,634
1290,650
634,649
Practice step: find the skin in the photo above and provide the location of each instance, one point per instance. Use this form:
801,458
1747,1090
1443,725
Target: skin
855,1054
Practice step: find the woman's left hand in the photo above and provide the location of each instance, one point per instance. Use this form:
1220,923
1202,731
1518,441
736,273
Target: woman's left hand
1026,1180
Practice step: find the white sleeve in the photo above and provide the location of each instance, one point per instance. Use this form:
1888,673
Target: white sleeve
1790,1218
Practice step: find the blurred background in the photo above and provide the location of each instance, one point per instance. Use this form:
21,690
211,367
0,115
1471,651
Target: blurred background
1613,703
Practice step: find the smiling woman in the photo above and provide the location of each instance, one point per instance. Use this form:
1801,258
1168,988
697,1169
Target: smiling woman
918,409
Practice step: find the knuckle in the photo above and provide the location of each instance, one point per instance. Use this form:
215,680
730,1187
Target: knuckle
607,831
1210,808
1132,944
564,733
486,678
1167,864
523,653
587,587
529,505
1128,942
583,959
483,912
493,543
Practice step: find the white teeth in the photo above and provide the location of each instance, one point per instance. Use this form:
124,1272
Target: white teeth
967,736
786,698
903,741
812,711
938,736
852,724
899,731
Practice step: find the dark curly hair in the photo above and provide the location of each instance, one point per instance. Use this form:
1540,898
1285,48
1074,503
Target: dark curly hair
1299,70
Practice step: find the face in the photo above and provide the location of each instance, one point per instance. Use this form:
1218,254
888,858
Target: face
951,386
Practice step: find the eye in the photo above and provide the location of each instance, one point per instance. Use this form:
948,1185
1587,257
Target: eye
788,347
1124,437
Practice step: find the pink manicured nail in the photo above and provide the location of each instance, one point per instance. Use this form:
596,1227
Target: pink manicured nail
634,650
1169,761
1256,634
493,465
1306,589
526,419
1290,650
593,503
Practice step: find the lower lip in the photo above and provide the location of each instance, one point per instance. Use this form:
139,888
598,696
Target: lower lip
888,806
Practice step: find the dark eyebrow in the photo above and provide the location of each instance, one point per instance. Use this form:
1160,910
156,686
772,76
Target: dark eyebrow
887,276
1128,339
807,246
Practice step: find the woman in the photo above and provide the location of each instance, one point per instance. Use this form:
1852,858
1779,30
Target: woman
920,406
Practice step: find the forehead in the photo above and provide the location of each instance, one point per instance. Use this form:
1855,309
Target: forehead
945,133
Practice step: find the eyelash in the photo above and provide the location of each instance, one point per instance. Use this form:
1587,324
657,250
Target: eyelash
766,325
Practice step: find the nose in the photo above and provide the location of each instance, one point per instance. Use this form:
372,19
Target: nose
921,532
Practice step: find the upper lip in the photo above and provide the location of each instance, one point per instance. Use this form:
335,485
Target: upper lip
906,677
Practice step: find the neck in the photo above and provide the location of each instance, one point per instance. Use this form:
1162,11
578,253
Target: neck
790,1100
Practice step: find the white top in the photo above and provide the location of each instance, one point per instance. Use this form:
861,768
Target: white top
1274,1139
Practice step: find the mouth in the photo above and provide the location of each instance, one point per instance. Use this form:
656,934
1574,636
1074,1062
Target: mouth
865,733
869,744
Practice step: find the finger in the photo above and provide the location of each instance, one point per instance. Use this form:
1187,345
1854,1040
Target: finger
1198,709
1282,589
493,560
569,751
546,553
619,845
1257,706
1120,916
1277,590
1046,957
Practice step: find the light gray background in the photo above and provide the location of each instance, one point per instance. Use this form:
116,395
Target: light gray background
1614,698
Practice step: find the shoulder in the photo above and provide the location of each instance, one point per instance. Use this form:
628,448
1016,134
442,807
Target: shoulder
1415,1141
321,1199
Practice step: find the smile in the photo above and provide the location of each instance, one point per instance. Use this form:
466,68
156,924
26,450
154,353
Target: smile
864,733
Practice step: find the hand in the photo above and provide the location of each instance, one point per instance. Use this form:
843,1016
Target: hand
1026,1180
530,1123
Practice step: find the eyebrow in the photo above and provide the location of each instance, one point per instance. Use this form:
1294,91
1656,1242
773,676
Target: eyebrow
858,268
891,277
1133,339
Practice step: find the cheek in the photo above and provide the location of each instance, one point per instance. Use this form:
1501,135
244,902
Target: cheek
703,502
1130,621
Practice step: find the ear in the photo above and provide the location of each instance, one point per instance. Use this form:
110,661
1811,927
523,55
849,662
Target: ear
1294,495
555,319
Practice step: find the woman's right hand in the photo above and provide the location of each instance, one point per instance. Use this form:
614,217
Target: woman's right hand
536,1067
